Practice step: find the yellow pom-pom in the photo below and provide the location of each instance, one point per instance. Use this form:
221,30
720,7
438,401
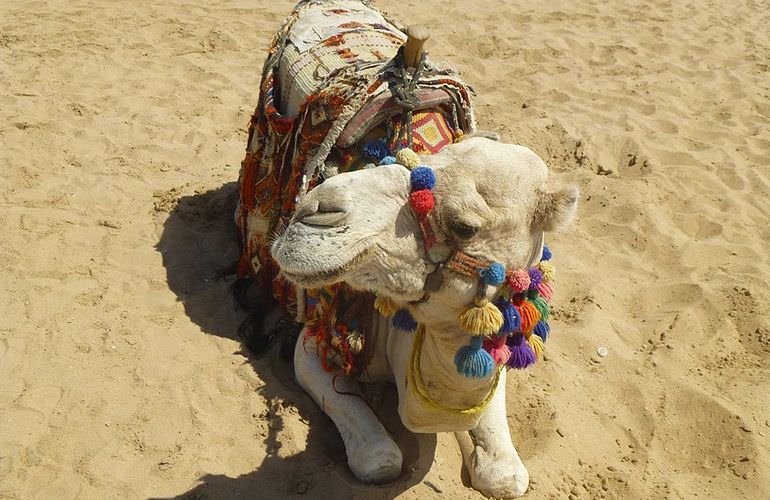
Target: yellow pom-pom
536,343
482,319
407,158
385,306
547,269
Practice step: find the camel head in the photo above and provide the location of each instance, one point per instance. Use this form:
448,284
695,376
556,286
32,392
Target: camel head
491,202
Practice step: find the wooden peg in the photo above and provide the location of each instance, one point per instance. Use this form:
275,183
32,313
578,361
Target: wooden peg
416,34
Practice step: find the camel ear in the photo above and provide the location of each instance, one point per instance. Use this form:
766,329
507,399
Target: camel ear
555,210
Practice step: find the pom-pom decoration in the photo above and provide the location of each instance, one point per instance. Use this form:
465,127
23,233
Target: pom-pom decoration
483,318
519,280
473,361
388,160
542,330
546,253
422,178
385,306
535,277
511,318
498,349
536,343
529,316
407,158
547,270
375,149
422,201
403,320
493,274
522,354
545,291
543,308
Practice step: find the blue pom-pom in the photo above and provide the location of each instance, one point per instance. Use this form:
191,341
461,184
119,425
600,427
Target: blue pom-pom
511,318
376,149
546,253
472,361
388,160
493,274
542,330
422,178
404,321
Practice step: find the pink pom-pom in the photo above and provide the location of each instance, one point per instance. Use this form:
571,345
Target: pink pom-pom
497,348
519,280
422,201
545,291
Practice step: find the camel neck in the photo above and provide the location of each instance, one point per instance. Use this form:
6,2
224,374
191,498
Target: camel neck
442,381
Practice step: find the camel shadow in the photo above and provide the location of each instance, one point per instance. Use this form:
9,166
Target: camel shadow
198,241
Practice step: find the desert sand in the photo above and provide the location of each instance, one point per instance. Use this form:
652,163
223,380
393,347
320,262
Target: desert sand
122,127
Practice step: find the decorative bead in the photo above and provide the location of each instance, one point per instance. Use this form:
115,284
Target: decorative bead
388,160
547,270
376,149
422,178
494,274
422,201
535,277
519,280
403,320
482,319
546,253
472,361
407,158
522,354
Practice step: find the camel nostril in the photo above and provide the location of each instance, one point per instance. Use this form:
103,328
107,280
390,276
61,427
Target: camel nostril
324,219
306,209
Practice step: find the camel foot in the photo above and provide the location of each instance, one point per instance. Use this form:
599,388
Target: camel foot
375,463
499,477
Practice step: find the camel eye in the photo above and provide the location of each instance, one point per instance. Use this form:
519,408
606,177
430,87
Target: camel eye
463,231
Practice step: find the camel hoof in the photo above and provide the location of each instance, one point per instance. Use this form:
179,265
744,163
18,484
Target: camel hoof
376,464
499,481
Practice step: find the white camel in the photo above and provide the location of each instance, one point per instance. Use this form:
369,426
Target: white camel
491,202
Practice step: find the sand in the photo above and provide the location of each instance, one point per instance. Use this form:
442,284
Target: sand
122,126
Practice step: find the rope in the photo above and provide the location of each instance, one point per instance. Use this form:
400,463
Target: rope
418,384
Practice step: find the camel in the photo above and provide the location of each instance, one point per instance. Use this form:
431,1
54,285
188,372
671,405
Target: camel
447,240
357,227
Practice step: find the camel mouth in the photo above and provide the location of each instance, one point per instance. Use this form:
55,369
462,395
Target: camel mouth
317,279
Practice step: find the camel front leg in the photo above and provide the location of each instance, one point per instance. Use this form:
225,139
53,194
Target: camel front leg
373,456
494,466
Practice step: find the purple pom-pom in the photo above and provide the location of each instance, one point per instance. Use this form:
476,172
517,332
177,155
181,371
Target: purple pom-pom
376,149
522,354
546,253
511,319
542,330
422,178
535,277
404,321
494,274
388,160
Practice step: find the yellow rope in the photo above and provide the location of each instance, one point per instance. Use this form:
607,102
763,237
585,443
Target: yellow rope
418,384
